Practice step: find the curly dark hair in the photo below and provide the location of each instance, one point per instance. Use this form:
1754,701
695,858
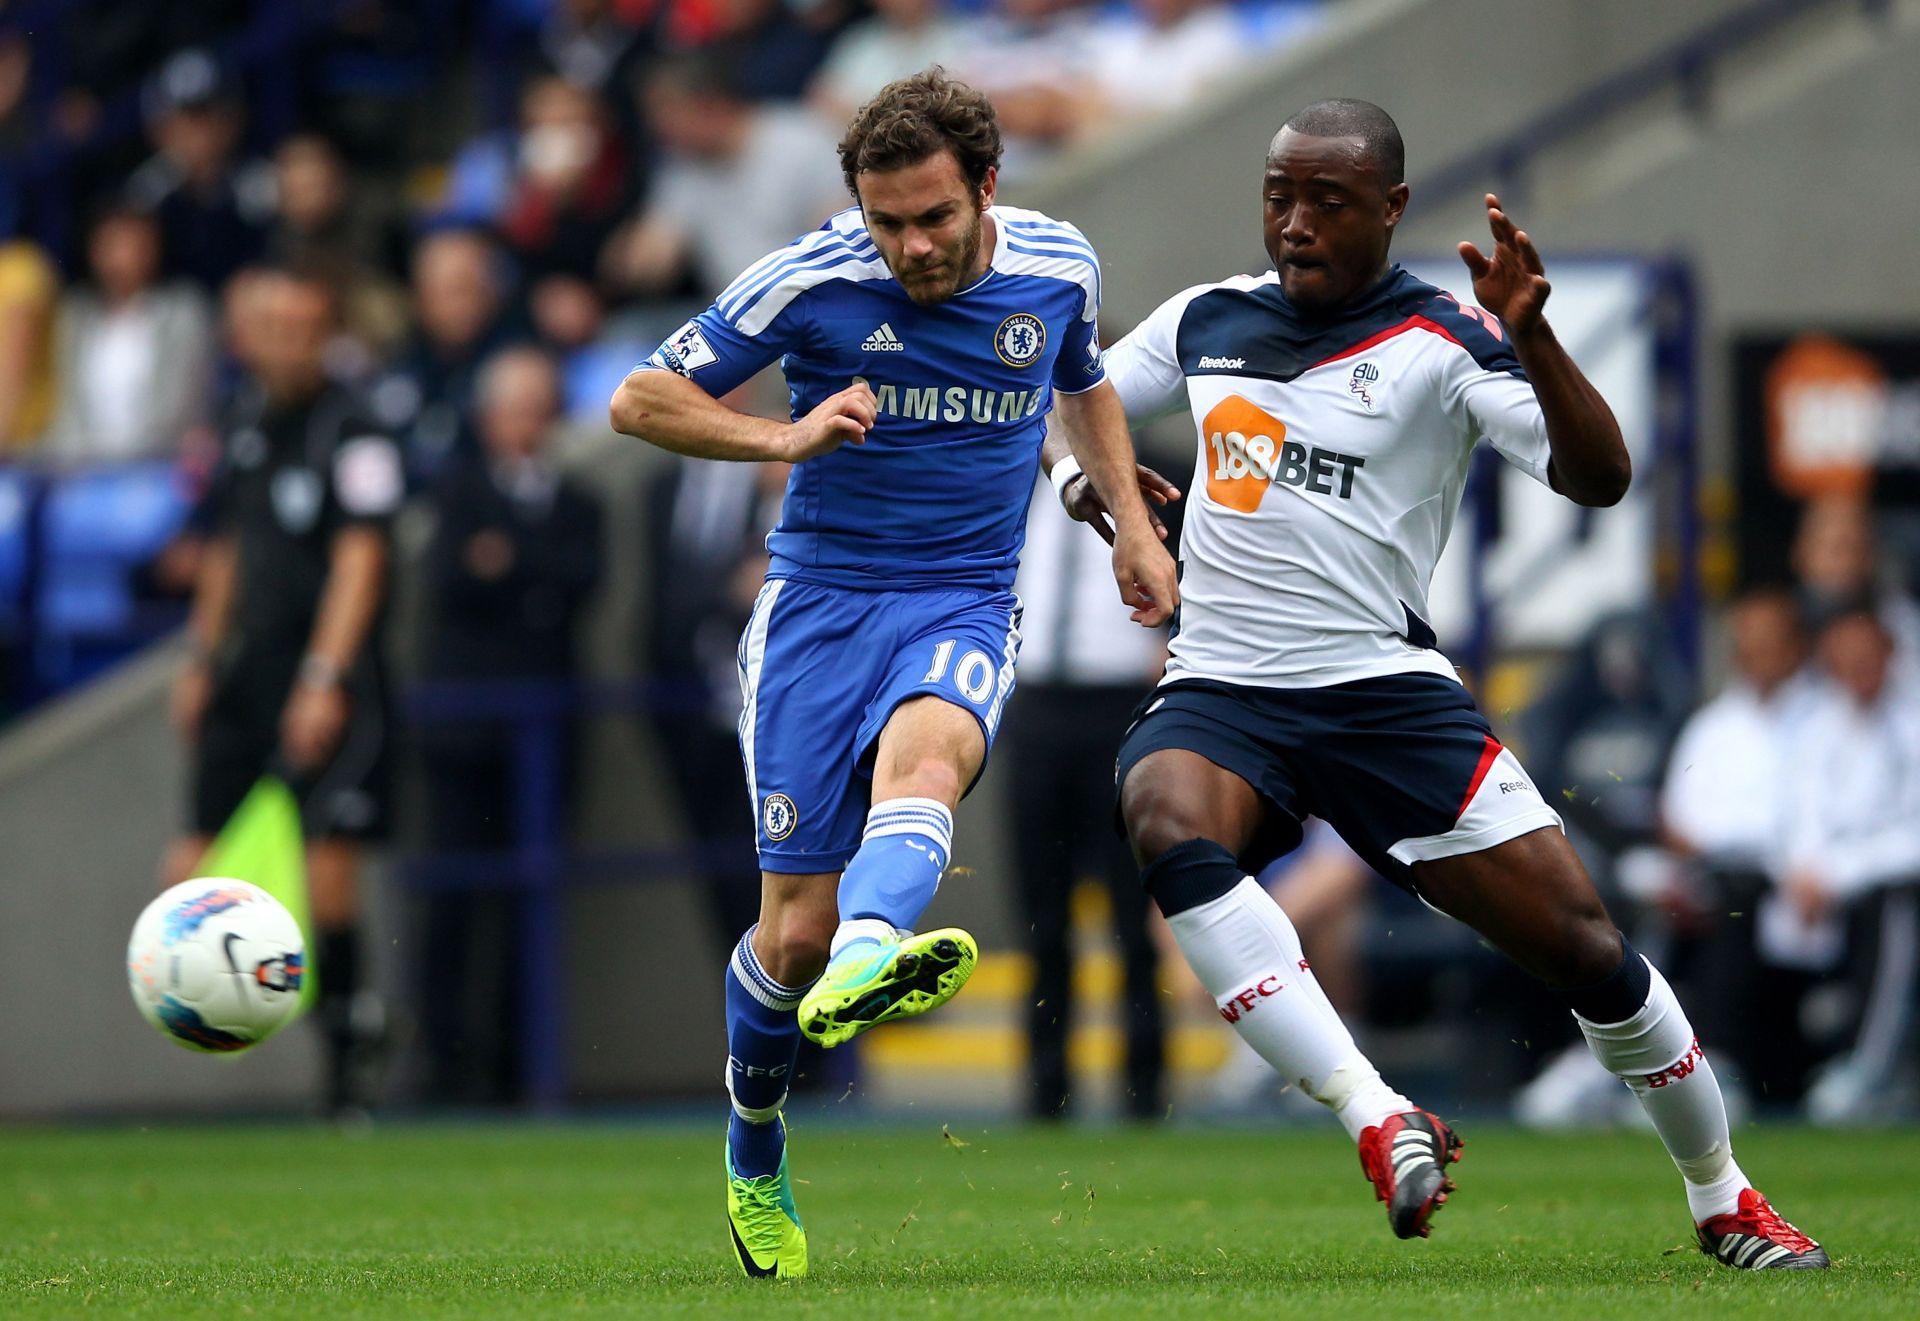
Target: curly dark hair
919,116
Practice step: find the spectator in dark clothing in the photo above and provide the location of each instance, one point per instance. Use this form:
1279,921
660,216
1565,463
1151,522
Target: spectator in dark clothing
213,207
773,48
709,522
321,224
574,186
1598,738
1084,667
515,557
426,398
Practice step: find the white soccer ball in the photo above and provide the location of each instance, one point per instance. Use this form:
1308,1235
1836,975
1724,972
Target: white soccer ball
215,965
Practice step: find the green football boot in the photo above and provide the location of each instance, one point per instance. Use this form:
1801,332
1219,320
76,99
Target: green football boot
876,981
767,1236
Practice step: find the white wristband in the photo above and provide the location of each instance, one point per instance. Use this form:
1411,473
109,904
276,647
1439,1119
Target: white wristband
1062,476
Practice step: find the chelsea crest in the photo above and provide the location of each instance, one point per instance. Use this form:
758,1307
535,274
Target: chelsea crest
1021,339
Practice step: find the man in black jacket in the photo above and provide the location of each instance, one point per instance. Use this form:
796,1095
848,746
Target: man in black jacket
516,554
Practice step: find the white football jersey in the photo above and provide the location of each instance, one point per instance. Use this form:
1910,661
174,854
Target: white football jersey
1332,455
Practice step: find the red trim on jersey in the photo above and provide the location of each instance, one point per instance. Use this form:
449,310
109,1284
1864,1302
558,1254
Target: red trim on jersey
1487,755
1411,323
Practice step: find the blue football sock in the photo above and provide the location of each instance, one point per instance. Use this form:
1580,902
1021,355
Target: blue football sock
894,875
763,1037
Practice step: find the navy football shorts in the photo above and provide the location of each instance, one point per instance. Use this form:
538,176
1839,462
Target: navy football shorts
1404,766
821,669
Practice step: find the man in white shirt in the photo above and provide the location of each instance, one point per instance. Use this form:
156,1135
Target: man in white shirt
1727,789
1337,402
1850,848
736,180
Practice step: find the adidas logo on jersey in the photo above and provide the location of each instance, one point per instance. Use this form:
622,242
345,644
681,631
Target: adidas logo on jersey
883,340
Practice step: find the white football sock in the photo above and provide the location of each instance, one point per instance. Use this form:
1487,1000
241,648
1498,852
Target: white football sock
1657,1054
1246,953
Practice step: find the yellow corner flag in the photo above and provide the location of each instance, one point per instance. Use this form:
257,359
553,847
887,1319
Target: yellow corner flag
262,843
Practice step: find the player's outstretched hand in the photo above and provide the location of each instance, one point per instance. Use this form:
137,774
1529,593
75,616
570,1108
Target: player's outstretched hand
1149,581
1512,283
1084,503
837,419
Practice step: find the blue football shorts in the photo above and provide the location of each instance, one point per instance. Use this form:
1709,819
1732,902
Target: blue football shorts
1403,766
821,669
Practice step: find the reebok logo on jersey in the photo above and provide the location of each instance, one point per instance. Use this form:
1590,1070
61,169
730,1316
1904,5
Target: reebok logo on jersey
883,340
1222,364
1248,451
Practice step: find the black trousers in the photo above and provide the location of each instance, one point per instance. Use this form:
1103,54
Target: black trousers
1751,1008
1059,741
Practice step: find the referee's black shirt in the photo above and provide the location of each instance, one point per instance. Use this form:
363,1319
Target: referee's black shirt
292,476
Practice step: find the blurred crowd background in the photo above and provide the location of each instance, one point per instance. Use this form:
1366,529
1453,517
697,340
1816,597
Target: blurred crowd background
512,201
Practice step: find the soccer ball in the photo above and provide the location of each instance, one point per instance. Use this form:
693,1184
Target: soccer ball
215,965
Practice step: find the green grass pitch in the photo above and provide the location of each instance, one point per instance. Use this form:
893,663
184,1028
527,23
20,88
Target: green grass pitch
987,1222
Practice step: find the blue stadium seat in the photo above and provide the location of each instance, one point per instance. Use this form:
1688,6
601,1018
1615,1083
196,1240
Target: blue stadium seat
17,491
99,529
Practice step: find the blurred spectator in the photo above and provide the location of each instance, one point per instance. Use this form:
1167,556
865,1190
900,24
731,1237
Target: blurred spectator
708,522
16,80
1837,561
1598,738
1729,781
515,556
319,227
902,37
427,397
29,293
772,47
1153,55
572,189
1083,668
134,357
595,44
369,68
286,670
213,208
1035,59
736,182
1729,785
107,47
1850,857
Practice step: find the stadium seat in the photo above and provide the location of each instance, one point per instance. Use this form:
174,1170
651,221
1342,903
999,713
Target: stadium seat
99,529
17,491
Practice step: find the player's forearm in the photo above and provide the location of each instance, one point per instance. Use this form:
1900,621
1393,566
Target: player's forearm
665,409
1590,461
212,596
1095,427
356,581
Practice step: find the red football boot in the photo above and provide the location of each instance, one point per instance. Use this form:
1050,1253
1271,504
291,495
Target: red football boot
1755,1238
1407,1159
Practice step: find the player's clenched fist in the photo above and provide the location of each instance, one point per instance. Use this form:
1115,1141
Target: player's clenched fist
837,419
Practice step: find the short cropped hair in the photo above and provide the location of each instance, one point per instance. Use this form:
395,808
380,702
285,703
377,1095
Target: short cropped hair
1345,117
917,117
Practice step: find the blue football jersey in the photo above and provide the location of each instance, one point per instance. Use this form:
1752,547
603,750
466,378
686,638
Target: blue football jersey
937,496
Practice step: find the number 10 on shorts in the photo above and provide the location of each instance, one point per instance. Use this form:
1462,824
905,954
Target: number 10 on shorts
974,676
